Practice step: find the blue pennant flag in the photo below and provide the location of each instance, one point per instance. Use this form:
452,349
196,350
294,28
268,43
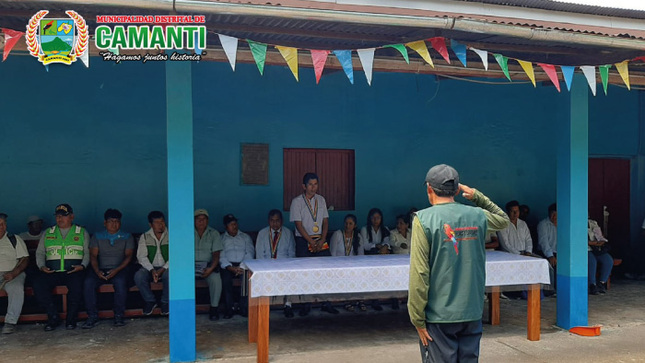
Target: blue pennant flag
345,59
567,72
460,51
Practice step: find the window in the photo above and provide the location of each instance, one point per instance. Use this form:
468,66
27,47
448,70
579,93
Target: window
335,168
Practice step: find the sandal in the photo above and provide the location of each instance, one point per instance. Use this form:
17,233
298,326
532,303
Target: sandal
349,307
361,305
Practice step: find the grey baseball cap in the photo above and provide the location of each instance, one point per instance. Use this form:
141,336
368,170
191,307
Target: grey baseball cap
443,177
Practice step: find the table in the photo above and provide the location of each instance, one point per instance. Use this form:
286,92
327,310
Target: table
332,275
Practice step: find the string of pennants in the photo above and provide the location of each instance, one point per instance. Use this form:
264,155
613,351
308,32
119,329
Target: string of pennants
366,57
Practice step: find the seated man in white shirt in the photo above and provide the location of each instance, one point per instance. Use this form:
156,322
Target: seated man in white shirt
152,255
13,261
276,241
548,240
516,238
238,247
35,229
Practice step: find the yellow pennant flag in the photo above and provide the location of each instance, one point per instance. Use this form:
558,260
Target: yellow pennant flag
623,70
420,47
291,56
528,69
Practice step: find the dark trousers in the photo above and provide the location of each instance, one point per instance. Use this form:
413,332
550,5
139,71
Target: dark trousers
92,281
452,342
44,284
302,249
230,297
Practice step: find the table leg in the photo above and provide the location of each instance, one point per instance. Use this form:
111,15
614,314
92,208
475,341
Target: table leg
263,329
533,312
493,306
253,317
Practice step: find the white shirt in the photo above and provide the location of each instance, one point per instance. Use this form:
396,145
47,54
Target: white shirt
547,237
8,255
300,212
142,251
397,240
236,249
516,239
337,245
377,238
286,247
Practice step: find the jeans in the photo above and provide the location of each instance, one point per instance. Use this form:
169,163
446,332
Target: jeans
92,281
142,279
606,264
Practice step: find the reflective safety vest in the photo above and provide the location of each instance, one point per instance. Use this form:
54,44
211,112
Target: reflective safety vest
62,253
151,245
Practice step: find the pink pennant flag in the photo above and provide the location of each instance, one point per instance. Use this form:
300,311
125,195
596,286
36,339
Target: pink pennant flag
549,69
439,44
11,37
319,57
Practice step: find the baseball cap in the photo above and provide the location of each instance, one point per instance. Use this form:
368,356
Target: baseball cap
443,177
229,218
64,210
201,212
33,218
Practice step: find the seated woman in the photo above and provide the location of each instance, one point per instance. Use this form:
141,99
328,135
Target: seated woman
597,253
376,237
401,236
348,242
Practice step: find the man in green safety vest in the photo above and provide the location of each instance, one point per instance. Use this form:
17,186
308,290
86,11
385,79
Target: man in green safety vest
152,255
62,256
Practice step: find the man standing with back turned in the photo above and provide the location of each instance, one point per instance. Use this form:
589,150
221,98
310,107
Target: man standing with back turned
448,268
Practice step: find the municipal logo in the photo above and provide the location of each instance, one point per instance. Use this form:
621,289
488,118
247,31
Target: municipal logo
57,40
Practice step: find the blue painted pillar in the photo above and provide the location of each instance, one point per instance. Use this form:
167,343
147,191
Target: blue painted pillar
179,113
572,186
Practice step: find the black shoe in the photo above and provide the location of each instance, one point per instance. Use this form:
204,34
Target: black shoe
149,308
602,287
304,310
213,314
593,289
376,306
118,321
70,326
288,312
327,307
51,325
165,309
90,323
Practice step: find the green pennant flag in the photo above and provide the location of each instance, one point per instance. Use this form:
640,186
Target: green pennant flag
503,63
402,49
259,51
604,76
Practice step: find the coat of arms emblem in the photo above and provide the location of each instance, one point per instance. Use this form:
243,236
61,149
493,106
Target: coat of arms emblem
57,40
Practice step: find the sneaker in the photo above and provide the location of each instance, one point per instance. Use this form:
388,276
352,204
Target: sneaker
602,287
213,314
8,328
593,289
150,306
118,321
90,323
165,309
288,312
70,326
52,325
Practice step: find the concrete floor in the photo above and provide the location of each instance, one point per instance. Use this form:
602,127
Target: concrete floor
373,337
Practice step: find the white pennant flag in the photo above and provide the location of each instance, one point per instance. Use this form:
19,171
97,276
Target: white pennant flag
367,59
85,58
483,55
230,48
590,74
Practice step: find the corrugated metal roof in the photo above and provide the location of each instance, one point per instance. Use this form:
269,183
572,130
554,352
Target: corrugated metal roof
567,7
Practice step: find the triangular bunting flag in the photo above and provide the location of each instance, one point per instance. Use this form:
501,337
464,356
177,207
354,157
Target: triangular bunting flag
366,57
483,55
11,37
291,56
47,67
259,51
623,70
85,58
229,44
528,69
503,63
319,57
420,47
550,71
567,72
590,74
439,44
604,76
345,59
460,51
401,49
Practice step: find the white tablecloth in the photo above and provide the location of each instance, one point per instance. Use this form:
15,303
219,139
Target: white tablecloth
333,275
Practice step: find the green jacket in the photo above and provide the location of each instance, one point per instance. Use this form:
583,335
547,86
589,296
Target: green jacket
61,253
447,280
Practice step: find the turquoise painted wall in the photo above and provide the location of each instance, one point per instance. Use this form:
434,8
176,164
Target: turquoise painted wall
111,151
